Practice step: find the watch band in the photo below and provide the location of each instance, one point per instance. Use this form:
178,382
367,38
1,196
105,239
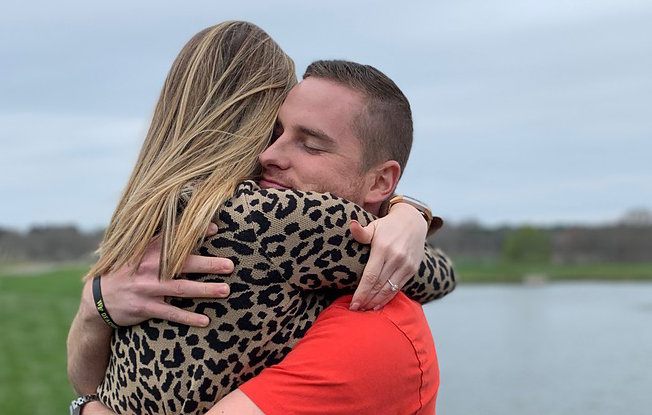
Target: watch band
77,404
434,222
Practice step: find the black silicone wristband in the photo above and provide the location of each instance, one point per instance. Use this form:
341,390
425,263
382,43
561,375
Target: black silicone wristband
99,303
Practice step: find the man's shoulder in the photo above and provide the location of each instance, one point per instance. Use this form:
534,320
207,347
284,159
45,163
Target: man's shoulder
401,317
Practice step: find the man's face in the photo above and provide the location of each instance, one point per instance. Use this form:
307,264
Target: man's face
314,147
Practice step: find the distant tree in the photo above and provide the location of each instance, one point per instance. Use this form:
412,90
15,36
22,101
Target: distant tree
527,244
12,245
615,243
470,223
470,241
637,217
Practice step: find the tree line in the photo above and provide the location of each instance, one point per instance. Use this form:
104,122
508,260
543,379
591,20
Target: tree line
622,242
48,243
560,244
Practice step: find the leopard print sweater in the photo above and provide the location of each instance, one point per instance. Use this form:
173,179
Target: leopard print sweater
293,255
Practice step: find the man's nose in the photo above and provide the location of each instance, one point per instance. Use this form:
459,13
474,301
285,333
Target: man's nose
275,155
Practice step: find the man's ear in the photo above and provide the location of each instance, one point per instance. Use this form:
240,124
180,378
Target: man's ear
382,181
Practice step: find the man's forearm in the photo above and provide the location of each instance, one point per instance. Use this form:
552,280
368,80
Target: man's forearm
89,344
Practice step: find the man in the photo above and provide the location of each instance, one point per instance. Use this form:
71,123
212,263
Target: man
335,134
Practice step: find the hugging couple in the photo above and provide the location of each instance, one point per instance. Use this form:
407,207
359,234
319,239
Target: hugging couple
258,261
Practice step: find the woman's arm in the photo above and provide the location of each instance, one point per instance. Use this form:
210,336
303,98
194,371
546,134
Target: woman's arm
399,238
433,282
306,236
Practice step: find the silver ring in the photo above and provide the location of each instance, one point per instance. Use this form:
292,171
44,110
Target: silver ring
394,286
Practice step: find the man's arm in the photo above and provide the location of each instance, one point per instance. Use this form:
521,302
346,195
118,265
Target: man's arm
235,403
88,346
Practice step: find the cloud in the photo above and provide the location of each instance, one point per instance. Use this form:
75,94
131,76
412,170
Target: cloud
523,109
65,168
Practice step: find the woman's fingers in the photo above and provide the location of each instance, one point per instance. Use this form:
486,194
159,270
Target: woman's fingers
383,292
387,292
369,283
374,278
362,234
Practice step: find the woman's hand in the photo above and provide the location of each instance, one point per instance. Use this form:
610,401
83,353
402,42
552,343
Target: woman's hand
397,249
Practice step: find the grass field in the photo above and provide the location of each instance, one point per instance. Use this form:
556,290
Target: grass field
36,310
35,313
474,271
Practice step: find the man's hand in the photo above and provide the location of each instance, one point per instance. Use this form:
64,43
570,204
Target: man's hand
134,293
397,248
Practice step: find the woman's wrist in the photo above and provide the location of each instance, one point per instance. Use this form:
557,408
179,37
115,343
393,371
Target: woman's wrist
410,212
433,223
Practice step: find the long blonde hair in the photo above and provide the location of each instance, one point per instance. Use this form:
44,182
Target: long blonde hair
214,116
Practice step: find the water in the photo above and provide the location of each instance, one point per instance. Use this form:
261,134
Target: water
563,348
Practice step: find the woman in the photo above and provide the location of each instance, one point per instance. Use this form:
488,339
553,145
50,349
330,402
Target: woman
214,117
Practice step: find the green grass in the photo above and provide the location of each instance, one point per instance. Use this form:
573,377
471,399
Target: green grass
35,313
474,271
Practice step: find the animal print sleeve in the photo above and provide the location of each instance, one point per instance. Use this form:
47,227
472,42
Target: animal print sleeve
435,278
306,236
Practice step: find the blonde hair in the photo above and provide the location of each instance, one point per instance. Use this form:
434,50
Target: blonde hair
214,116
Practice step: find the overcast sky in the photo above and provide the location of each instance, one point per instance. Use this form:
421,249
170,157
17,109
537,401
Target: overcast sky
525,111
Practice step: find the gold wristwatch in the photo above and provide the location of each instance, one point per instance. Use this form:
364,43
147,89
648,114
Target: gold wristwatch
434,222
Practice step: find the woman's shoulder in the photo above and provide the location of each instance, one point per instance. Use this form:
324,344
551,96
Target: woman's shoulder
251,190
243,192
246,187
253,203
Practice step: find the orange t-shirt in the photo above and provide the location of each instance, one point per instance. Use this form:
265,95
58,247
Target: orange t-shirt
353,362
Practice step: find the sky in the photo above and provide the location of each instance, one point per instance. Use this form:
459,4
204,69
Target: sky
534,112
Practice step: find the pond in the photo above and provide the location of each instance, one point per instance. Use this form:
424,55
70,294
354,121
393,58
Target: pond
558,348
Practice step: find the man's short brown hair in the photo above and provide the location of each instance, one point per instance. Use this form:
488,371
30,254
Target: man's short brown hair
384,125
